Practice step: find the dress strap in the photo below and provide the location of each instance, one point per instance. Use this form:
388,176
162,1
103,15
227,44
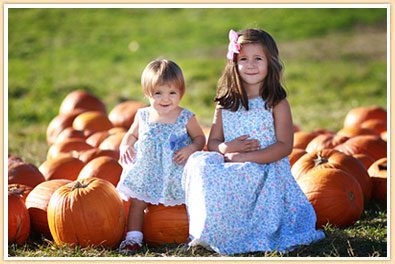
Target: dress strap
142,114
184,117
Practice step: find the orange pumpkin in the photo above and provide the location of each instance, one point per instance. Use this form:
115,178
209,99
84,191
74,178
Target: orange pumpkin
68,146
383,135
355,131
61,167
335,195
20,189
37,204
96,138
378,125
329,158
105,168
295,155
165,224
378,174
122,115
356,116
68,133
59,123
365,159
83,101
24,173
87,212
303,138
91,154
325,141
113,141
370,145
91,122
18,219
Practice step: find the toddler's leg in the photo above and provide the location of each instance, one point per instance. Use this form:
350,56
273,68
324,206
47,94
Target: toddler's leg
134,236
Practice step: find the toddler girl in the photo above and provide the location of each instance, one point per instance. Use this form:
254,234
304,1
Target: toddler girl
154,150
241,196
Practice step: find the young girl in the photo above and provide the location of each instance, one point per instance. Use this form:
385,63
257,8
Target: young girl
241,196
156,147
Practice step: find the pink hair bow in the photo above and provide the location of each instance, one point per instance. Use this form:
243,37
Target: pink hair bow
233,47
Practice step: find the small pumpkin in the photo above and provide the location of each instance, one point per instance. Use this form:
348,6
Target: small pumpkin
365,159
91,122
68,133
83,101
67,146
18,219
113,141
37,204
91,154
87,212
122,115
355,131
61,167
59,123
20,189
370,145
358,115
378,125
24,173
165,224
335,195
325,141
105,168
303,138
378,174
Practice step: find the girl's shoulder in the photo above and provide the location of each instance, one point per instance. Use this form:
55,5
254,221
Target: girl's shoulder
185,114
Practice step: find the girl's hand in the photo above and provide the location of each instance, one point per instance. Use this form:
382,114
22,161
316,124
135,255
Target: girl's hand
127,156
240,144
233,157
181,155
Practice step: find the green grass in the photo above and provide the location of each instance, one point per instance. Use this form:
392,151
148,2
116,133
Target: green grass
335,59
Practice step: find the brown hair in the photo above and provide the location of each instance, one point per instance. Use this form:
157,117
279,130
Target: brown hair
162,72
230,91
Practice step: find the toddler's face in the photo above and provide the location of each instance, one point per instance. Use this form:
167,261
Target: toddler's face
252,64
165,98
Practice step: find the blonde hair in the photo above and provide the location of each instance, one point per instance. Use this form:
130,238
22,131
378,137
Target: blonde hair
162,72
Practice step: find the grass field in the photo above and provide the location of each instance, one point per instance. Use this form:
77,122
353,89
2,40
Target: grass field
335,59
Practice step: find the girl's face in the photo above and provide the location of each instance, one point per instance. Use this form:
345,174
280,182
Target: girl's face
252,65
165,99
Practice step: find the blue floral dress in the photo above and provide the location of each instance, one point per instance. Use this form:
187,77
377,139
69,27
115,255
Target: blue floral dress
153,176
236,207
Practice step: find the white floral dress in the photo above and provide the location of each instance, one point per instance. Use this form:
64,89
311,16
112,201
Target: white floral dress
236,207
153,176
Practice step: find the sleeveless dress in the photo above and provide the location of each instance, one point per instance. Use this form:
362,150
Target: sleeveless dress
153,176
237,207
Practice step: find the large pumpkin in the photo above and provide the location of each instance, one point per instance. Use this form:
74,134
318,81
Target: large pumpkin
37,204
356,116
18,219
86,212
105,168
377,125
83,101
335,195
370,145
165,224
303,138
355,131
329,158
62,167
122,115
378,173
24,173
325,141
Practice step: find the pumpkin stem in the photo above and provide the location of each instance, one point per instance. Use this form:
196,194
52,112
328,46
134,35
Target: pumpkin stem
320,160
351,196
78,185
383,166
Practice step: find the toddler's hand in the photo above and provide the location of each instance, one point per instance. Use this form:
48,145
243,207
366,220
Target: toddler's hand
233,157
242,144
127,156
181,155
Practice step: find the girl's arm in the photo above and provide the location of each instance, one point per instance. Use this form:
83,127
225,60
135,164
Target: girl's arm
126,148
198,141
284,134
216,138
